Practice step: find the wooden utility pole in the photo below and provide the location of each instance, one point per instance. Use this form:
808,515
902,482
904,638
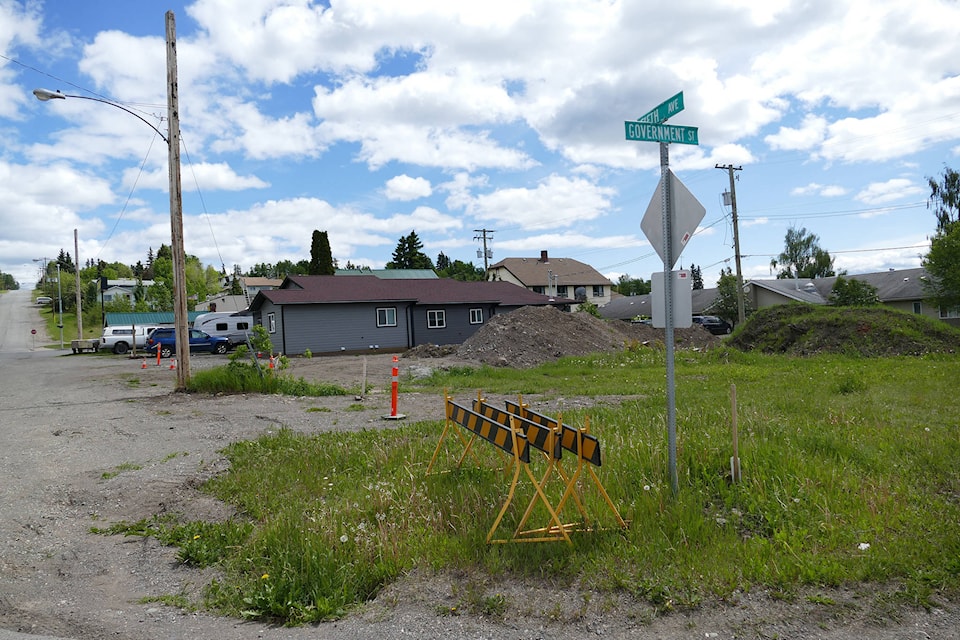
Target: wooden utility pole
76,256
482,234
741,311
176,212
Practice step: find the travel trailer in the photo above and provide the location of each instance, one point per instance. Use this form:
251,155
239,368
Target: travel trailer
233,326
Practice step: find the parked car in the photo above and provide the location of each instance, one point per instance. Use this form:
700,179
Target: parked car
44,299
121,339
165,339
714,324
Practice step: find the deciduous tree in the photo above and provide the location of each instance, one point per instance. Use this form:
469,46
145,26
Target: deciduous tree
802,257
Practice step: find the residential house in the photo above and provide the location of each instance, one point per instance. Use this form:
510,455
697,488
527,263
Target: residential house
249,286
123,288
900,289
557,277
335,314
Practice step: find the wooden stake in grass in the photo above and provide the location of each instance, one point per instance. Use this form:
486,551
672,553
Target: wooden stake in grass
735,460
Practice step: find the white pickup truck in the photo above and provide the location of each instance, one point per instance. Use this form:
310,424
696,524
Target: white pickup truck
121,338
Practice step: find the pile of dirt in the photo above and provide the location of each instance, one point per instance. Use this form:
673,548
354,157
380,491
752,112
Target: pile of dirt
531,336
803,329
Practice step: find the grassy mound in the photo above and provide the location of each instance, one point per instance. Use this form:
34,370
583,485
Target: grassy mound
804,329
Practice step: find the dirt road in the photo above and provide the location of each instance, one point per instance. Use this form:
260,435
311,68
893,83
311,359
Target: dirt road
87,440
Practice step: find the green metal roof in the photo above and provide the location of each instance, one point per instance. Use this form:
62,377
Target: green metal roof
390,274
140,319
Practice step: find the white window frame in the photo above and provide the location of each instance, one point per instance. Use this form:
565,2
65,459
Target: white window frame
271,322
387,312
476,315
436,319
598,291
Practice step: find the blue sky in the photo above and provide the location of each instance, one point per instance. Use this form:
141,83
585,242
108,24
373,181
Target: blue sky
372,118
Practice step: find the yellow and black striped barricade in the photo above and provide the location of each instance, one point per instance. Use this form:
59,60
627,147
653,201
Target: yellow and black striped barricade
547,441
467,443
583,445
510,439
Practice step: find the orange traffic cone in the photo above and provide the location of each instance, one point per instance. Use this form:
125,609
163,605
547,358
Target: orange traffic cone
143,365
173,363
271,361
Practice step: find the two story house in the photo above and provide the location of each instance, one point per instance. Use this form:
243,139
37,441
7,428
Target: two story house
556,277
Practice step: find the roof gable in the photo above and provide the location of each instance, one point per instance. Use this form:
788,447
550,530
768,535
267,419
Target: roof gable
536,272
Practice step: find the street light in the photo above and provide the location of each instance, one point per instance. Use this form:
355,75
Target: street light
176,200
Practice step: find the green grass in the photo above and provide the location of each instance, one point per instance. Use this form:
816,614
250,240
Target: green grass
835,451
240,377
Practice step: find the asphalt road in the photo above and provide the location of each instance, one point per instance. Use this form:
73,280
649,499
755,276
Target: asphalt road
19,318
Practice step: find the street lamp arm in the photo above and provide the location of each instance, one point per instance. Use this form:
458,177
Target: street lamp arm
45,94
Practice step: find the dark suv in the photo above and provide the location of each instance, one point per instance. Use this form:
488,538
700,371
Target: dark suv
714,324
165,339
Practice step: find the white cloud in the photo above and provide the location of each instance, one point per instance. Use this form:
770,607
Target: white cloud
404,187
879,193
207,176
555,202
814,188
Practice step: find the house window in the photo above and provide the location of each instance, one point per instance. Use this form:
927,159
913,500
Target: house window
539,290
271,323
950,313
562,291
387,317
436,319
476,316
598,291
917,308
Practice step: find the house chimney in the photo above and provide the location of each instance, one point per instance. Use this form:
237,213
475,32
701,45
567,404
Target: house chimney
543,257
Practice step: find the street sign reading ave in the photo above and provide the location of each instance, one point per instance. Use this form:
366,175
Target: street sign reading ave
664,110
645,132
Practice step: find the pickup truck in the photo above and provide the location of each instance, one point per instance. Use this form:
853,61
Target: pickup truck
165,339
121,339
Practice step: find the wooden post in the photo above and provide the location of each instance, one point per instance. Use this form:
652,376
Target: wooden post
735,460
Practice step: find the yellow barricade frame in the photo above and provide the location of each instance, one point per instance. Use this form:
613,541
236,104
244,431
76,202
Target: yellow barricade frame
585,447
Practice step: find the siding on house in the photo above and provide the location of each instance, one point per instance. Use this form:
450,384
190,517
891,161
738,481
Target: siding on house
333,314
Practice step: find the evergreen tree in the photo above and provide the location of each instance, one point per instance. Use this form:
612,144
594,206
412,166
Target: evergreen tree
443,262
697,276
725,305
236,289
409,254
321,258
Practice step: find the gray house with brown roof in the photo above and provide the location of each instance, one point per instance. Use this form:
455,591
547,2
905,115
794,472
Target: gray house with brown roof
557,277
334,314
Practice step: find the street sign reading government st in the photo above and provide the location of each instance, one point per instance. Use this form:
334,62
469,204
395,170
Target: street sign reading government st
645,132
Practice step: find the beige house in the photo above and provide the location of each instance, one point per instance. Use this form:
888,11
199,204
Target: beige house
556,277
250,286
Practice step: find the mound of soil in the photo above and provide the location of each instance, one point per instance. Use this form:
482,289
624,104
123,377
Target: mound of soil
531,336
801,329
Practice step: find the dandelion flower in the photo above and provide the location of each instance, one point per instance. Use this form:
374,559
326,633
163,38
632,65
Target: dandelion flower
196,537
265,576
646,487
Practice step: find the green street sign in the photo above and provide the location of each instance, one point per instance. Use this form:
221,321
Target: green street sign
664,110
645,132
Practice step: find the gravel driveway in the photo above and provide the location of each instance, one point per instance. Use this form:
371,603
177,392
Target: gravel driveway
87,440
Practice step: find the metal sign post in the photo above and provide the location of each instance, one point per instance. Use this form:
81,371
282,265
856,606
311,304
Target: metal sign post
668,260
650,127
